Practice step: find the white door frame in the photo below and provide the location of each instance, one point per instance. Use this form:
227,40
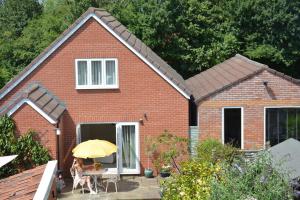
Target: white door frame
242,124
137,148
117,124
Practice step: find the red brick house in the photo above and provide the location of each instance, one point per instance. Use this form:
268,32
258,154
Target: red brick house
97,80
246,103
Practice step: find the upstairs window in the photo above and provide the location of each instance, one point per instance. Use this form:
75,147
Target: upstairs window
96,74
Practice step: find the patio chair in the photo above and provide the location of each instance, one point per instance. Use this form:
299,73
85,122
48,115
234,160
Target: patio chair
76,179
112,178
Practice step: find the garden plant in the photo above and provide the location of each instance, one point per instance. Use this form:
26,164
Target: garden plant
30,152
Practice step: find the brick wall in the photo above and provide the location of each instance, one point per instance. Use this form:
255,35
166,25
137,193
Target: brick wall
253,96
140,91
27,118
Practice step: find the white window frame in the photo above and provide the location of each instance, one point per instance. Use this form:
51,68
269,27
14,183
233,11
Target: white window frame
242,124
103,74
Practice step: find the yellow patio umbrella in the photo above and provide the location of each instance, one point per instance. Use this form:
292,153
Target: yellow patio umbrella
94,149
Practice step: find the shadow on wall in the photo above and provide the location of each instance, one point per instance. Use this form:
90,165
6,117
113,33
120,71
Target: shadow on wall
68,138
270,92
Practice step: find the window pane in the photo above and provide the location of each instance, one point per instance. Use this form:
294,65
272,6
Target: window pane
281,124
128,147
82,72
96,73
110,72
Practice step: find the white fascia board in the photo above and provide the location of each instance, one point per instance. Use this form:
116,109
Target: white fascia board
41,60
140,56
44,188
36,108
70,34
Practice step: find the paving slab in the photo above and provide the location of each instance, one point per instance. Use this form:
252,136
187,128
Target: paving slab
133,188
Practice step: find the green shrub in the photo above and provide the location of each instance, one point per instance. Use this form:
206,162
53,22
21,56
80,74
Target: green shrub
193,182
30,152
258,180
169,149
212,174
197,173
213,151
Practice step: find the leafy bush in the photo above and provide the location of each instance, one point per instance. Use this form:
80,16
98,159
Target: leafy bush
169,150
30,152
254,180
193,182
220,172
197,173
212,150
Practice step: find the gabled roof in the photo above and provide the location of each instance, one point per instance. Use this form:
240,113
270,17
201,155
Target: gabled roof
226,74
40,99
123,35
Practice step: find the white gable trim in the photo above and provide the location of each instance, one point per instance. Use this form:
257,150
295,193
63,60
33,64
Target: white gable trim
44,188
67,36
37,109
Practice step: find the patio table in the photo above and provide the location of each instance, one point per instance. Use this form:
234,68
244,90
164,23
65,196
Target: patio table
95,174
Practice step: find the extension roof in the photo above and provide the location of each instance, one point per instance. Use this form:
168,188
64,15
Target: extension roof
226,74
40,97
123,35
23,185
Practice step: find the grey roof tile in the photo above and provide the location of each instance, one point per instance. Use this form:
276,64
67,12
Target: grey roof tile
226,74
41,97
125,34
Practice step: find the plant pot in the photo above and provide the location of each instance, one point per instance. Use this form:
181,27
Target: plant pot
165,174
148,173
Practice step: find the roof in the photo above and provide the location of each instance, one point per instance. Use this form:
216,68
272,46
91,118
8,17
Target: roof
287,156
23,185
121,33
40,97
226,74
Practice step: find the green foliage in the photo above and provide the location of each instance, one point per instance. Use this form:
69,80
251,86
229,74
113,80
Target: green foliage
170,149
213,175
192,183
190,35
197,173
30,152
213,151
7,138
259,180
14,16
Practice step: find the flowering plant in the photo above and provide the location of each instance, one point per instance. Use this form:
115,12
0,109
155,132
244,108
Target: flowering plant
166,168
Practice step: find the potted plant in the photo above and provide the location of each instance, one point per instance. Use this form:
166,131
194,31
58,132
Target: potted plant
165,171
150,148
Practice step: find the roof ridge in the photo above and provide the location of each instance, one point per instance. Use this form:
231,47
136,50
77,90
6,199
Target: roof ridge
251,61
109,22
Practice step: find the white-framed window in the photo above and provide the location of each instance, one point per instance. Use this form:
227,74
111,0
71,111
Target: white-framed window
96,73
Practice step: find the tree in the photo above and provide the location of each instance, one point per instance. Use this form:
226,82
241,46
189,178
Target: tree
190,35
268,31
14,16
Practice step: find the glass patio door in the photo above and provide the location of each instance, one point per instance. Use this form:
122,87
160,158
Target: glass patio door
128,148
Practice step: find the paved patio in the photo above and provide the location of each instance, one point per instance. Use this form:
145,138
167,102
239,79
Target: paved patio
128,188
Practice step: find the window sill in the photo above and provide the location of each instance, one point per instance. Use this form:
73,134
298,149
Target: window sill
96,87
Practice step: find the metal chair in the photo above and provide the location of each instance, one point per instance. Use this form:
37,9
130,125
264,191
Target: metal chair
112,178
